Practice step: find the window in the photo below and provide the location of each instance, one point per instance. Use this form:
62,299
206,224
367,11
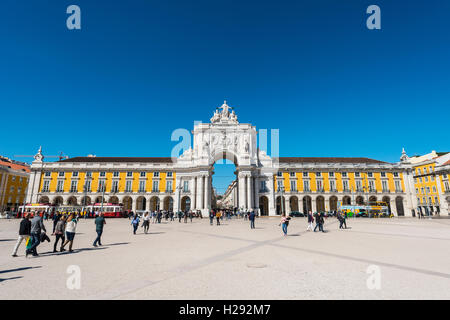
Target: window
425,170
47,174
59,186
186,186
428,189
115,174
418,200
434,189
305,174
128,186
129,174
292,173
263,187
73,186
426,179
75,174
319,185
156,174
358,186
101,186
344,174
447,187
420,180
371,186
398,187
357,175
103,174
45,187
293,185
155,186
142,186
89,174
370,174
61,174
345,185
396,174
383,174
279,184
169,174
306,185
279,174
115,186
436,200
384,185
169,186
422,189
331,174
318,174
332,186
87,186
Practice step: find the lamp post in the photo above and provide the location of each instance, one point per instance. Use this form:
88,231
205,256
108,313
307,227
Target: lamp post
281,189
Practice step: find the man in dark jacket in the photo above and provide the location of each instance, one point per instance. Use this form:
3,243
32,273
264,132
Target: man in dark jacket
24,232
36,228
252,219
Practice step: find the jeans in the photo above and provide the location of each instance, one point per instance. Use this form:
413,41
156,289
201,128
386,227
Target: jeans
36,240
19,241
211,220
135,227
59,236
252,224
99,234
218,221
284,227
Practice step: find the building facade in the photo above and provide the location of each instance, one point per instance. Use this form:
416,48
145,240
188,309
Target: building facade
270,185
14,177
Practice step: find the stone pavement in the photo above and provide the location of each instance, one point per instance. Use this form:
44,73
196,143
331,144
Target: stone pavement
231,261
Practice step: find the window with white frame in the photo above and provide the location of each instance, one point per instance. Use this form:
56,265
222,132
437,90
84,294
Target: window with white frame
280,184
345,185
357,175
186,186
396,174
371,186
115,186
398,186
292,173
370,174
331,174
101,186
263,186
306,185
434,189
142,186
142,174
332,185
129,174
279,174
384,185
46,186
319,185
47,174
293,185
344,174
75,174
89,174
59,186
103,174
169,186
447,186
318,174
156,174
87,186
383,174
128,186
73,186
169,174
155,186
61,174
358,185
115,174
305,174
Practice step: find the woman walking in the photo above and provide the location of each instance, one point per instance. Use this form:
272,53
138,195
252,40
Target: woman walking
59,233
135,223
146,223
284,224
71,227
218,215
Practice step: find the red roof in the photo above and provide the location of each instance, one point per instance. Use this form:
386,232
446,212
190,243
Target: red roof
14,166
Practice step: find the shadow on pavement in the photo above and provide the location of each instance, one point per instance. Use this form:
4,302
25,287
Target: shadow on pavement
12,278
116,244
19,269
1,240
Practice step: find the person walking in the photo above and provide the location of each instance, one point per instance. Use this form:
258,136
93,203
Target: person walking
37,226
218,215
252,217
24,233
317,219
71,227
159,216
211,217
340,218
185,214
344,218
284,224
191,215
180,215
59,233
171,216
310,221
55,219
99,223
135,223
146,223
322,221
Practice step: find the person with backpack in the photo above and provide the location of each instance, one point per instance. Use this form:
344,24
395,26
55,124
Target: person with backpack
135,223
24,232
218,215
37,226
71,227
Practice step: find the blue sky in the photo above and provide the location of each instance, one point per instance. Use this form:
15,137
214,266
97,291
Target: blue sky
139,69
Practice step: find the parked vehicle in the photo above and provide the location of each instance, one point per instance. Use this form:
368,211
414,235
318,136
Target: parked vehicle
296,214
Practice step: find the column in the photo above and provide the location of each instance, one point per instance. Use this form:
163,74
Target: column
177,200
249,192
313,205
199,195
442,201
207,200
194,194
287,205
271,196
241,182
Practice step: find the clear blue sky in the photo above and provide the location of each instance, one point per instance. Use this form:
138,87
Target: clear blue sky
139,69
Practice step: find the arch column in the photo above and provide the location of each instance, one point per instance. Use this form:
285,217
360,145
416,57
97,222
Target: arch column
249,192
271,196
207,192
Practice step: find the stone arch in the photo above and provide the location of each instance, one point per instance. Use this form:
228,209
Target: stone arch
85,201
359,200
387,200
141,203
372,199
222,154
99,199
346,201
155,204
399,206
307,204
167,204
264,205
72,201
58,200
320,204
127,202
44,200
333,203
113,200
293,203
280,205
185,203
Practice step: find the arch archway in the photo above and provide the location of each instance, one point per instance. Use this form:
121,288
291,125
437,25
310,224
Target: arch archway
44,200
293,203
113,200
372,199
154,204
185,203
99,199
264,205
346,201
281,205
72,201
307,204
85,201
320,204
141,203
387,200
359,200
333,203
399,206
58,201
168,204
127,203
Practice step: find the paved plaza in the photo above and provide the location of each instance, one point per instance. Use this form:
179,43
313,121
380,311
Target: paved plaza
231,261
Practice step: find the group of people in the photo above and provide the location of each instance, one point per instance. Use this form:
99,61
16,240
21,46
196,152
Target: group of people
33,231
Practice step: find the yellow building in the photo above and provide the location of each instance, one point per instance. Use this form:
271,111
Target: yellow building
13,184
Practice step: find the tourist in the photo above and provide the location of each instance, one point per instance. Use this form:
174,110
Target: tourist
191,215
310,221
211,217
185,216
59,233
171,216
55,219
146,223
340,218
71,227
36,228
24,232
135,223
159,216
218,215
99,223
245,215
252,217
317,219
344,219
322,221
180,215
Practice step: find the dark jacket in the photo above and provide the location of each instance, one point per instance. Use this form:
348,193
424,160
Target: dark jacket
25,227
310,218
37,225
